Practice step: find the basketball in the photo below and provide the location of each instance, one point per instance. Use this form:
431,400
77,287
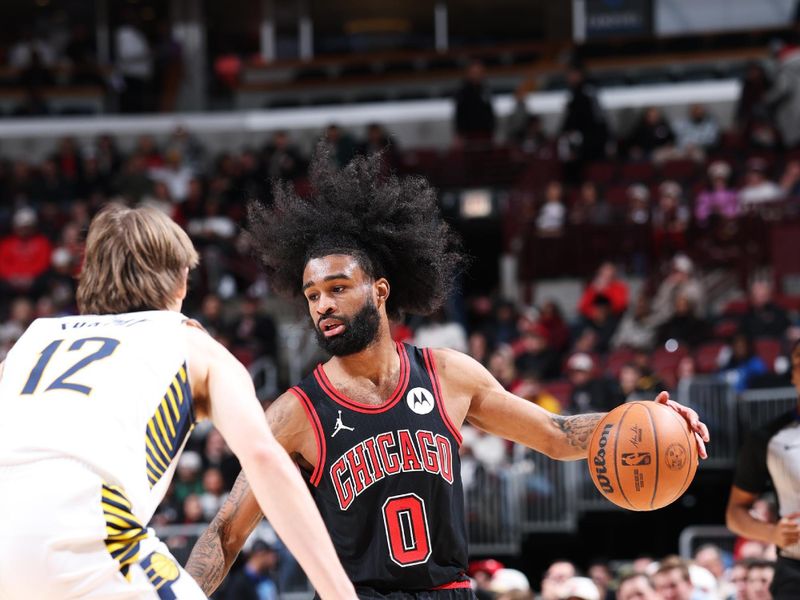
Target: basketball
642,456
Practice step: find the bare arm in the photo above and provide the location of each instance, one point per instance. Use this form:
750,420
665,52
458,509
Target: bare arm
219,545
273,477
739,520
491,408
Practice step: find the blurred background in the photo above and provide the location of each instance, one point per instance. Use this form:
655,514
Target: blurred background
625,175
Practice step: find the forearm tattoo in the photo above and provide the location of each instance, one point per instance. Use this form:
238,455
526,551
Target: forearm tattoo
209,562
577,429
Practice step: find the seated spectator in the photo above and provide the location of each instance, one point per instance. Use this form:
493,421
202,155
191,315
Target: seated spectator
474,118
790,180
437,331
530,387
255,330
606,283
754,86
764,318
589,393
590,208
635,330
551,322
672,580
638,205
760,574
601,575
533,141
719,198
651,136
580,588
738,580
739,363
552,214
282,160
256,580
681,280
478,347
671,219
378,140
341,146
758,189
636,586
684,326
600,326
710,557
553,580
24,256
501,366
214,493
697,133
533,354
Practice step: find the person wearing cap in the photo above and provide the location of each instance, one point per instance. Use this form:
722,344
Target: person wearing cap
758,188
588,391
638,204
24,256
719,198
671,219
579,588
681,281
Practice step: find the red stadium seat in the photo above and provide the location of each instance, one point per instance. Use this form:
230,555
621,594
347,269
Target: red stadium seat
665,363
680,170
706,356
601,173
560,389
637,172
617,359
768,350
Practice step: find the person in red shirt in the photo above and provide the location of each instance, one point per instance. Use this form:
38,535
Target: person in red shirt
605,283
24,255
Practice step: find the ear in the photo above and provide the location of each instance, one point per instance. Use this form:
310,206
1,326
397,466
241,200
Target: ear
381,290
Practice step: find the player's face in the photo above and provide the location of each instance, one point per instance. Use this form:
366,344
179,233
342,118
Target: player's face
341,304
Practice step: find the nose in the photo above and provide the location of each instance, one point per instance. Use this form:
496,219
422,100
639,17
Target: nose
326,304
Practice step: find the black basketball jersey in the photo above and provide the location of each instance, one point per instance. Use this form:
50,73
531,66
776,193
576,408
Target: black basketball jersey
388,480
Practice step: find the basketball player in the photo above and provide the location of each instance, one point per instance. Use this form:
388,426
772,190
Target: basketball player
769,455
376,428
95,412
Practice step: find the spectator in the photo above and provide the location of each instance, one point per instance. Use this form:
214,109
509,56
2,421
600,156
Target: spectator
636,586
255,330
754,87
638,205
24,256
478,347
652,136
605,283
550,221
601,575
636,330
557,574
760,574
738,580
214,493
533,354
697,134
533,141
580,588
764,318
672,580
501,366
282,160
530,387
188,480
758,189
517,121
709,556
474,113
377,140
174,174
217,454
584,130
720,198
684,326
134,63
591,208
790,180
589,393
670,219
739,363
20,316
601,325
783,98
680,281
340,144
437,331
551,322
256,580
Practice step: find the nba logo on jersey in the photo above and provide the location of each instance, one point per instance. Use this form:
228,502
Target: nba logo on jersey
420,400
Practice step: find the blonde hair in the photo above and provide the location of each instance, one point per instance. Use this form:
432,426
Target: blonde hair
135,260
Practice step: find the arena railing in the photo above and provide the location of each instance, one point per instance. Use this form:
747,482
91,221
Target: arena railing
691,538
759,407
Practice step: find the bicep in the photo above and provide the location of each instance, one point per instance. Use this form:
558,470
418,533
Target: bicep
740,498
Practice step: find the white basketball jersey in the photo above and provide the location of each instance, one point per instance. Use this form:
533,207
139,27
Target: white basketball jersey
110,391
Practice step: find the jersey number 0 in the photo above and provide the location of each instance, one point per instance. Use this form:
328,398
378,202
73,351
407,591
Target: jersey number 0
407,530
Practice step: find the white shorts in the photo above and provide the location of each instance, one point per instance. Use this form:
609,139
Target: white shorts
55,541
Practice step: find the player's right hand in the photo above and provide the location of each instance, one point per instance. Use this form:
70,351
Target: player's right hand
787,531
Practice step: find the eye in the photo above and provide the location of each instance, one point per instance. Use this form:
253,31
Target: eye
312,297
337,289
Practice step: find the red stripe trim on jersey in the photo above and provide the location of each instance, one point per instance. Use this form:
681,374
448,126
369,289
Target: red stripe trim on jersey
453,585
319,437
340,398
430,365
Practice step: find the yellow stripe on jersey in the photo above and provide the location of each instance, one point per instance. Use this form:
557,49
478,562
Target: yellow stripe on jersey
169,427
123,529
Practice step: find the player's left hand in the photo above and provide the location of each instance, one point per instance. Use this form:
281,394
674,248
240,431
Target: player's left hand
699,428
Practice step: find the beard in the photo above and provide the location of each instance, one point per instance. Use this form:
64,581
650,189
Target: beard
359,332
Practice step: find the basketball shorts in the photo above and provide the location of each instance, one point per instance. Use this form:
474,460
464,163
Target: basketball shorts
786,581
66,535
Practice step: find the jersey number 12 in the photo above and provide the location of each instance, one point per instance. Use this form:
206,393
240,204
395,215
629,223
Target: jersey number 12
108,345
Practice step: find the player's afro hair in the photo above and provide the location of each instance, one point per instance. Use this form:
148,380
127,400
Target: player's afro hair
391,225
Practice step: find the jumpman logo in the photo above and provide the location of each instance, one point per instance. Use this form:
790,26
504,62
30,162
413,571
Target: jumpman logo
339,425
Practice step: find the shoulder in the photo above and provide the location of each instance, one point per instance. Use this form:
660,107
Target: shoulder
458,368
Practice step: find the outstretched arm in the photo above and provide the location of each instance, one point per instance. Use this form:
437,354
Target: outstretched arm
491,408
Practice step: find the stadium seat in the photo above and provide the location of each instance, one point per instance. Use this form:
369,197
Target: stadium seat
639,172
768,349
680,170
561,390
601,173
617,359
706,356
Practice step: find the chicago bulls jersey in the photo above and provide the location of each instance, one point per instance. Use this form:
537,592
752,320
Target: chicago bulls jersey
387,480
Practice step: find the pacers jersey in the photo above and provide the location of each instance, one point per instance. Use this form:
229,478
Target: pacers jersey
109,391
387,480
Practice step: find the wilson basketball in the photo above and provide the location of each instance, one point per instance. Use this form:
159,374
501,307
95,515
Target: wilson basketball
642,456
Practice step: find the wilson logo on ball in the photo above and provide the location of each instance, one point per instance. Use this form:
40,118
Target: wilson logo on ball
600,461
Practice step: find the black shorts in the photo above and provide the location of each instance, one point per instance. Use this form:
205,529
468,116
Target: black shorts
786,582
451,594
